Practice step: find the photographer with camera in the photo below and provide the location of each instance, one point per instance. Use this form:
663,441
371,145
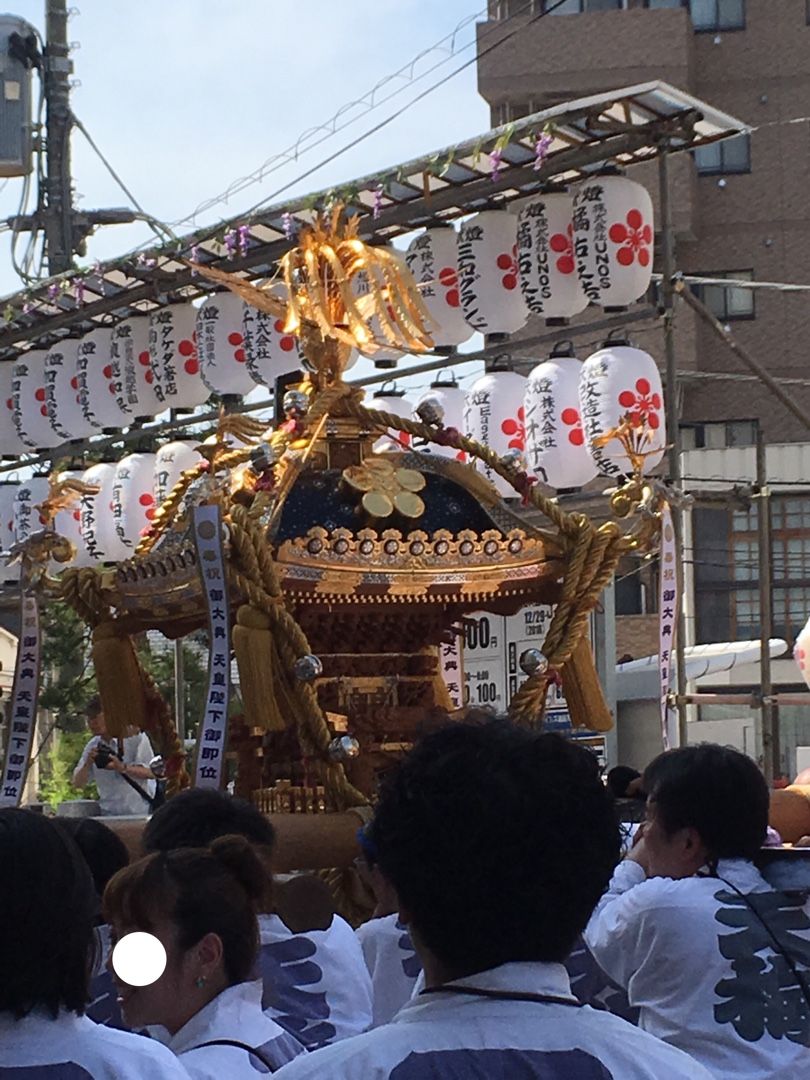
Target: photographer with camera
122,773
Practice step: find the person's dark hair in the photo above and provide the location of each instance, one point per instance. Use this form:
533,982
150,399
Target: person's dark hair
499,842
103,850
213,891
716,790
93,707
618,778
47,913
194,818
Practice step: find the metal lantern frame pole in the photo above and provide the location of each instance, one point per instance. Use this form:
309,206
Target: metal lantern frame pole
673,422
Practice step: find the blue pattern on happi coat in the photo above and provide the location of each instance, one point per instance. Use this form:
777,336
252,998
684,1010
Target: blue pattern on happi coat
287,969
500,1065
411,964
61,1070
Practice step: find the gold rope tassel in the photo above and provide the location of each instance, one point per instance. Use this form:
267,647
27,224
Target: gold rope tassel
118,675
583,691
259,669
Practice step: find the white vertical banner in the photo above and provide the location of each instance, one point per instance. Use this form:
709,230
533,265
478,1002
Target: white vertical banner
667,622
451,665
23,711
212,735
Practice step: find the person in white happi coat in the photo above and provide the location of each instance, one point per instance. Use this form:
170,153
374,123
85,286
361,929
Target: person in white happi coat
206,1005
48,908
498,842
717,962
316,985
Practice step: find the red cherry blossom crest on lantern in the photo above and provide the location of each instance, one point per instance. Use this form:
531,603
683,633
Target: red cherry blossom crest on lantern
237,340
286,342
508,262
188,350
800,656
642,405
448,277
634,237
145,361
147,501
572,419
562,244
515,427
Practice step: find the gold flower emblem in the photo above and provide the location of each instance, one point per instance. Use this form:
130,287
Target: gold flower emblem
385,489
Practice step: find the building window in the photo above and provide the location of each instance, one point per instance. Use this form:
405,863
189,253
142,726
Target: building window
578,7
728,302
728,156
718,14
719,435
790,553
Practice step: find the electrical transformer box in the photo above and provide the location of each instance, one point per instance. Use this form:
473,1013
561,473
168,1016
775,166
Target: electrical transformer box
16,131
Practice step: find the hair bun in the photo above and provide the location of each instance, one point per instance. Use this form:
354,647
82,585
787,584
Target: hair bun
237,855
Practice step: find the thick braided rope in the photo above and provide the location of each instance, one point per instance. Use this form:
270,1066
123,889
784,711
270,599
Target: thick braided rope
256,578
81,588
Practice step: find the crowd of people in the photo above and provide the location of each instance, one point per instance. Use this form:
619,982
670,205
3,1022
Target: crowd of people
510,937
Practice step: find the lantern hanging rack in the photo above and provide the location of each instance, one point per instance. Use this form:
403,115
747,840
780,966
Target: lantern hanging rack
623,127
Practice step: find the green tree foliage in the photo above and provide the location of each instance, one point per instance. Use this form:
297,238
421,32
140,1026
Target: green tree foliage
65,750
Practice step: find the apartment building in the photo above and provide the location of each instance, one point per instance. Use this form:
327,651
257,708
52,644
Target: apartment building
741,210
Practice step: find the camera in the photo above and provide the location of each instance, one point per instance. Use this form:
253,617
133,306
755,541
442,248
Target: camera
104,755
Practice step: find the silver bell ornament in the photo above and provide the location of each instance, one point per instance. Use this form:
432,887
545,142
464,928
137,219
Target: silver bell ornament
307,668
430,411
514,459
532,662
343,748
262,458
295,404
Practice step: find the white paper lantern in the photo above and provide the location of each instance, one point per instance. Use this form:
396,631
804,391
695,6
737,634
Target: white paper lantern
29,411
801,652
269,351
613,240
27,518
11,445
171,460
133,500
221,345
432,258
68,523
453,400
620,381
555,442
8,490
96,521
494,416
390,399
130,350
547,270
385,355
491,299
62,392
174,357
94,375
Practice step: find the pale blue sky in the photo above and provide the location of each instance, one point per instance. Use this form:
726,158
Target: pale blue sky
184,96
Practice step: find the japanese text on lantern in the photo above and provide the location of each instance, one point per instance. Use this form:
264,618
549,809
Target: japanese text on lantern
213,729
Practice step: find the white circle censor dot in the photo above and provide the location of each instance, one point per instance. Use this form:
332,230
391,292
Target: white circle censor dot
139,959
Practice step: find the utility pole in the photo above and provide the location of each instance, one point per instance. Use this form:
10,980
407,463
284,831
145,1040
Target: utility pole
59,210
770,722
673,422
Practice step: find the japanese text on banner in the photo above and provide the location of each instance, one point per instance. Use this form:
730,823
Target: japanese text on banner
213,727
23,712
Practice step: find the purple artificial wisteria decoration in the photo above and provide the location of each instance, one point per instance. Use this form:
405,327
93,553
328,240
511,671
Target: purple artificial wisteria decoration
27,307
287,222
244,239
195,257
379,191
231,241
496,162
541,149
53,291
79,292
